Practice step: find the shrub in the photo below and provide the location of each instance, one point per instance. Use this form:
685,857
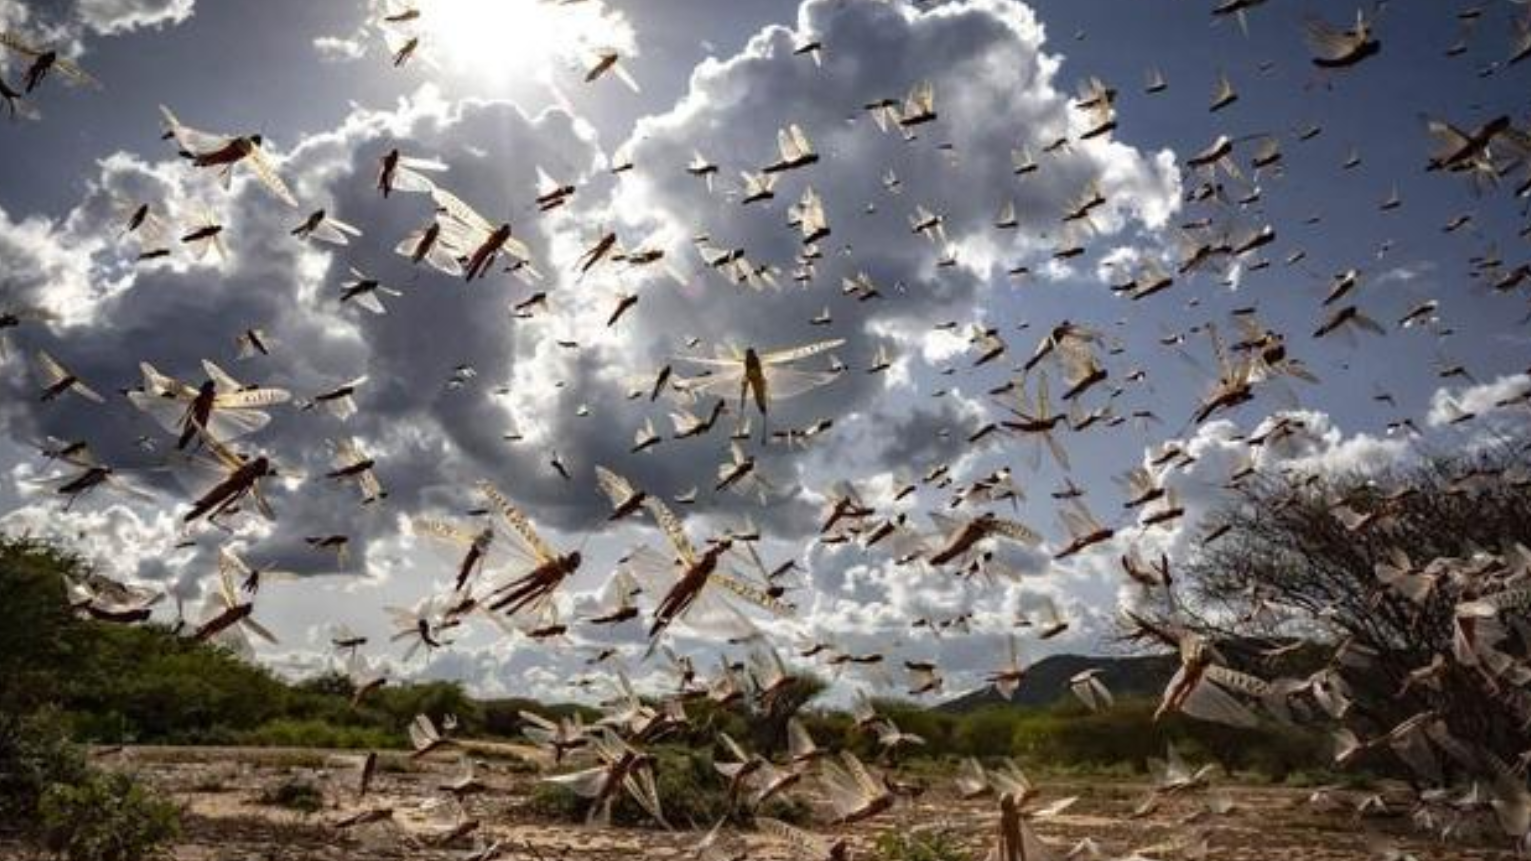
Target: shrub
48,791
938,729
557,803
1124,733
106,817
295,794
938,845
1284,546
312,733
38,642
34,753
987,732
690,789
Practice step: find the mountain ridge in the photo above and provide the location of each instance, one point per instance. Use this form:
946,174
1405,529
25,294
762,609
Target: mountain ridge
1047,681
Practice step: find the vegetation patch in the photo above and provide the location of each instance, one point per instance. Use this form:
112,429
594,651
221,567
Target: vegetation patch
922,845
691,790
295,793
108,816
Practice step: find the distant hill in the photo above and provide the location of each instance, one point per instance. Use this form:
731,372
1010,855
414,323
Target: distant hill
1047,681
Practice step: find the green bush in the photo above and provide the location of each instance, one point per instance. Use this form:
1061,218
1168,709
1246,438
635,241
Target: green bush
1068,736
938,729
691,791
105,817
313,733
295,794
556,803
48,791
119,684
986,733
38,646
35,753
938,845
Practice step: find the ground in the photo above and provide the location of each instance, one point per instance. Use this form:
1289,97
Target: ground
229,817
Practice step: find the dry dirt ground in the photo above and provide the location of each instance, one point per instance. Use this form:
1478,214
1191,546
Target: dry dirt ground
226,820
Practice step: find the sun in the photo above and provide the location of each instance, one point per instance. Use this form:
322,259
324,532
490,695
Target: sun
506,40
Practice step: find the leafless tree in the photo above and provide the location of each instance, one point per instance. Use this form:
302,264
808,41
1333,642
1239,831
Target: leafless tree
1298,560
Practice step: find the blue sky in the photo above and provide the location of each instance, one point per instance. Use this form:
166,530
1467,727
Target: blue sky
720,77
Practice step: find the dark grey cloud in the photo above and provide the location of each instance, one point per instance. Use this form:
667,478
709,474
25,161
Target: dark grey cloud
175,315
994,92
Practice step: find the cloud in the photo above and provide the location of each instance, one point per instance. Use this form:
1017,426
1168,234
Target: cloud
1317,445
115,539
996,91
113,314
1479,400
866,605
72,19
46,270
111,17
1202,482
339,49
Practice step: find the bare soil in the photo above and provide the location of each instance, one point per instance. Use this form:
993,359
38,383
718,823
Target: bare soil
224,793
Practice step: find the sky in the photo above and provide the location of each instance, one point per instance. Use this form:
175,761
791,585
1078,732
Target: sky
496,92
